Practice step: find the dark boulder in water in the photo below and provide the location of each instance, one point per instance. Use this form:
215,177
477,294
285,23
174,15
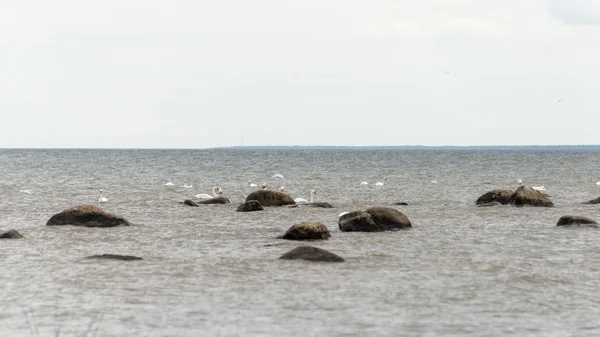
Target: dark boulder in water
570,220
401,203
309,230
87,216
313,204
501,196
358,221
115,257
250,206
311,254
190,203
593,202
11,234
271,198
215,200
373,219
527,196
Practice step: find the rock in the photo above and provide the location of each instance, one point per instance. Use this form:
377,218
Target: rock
593,202
87,216
271,198
569,220
313,204
311,254
190,203
307,231
400,204
11,234
358,221
115,257
250,206
374,219
215,200
525,195
501,196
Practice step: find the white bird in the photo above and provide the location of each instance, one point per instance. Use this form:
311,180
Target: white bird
169,184
278,176
26,191
187,186
251,184
264,186
312,197
520,181
434,181
598,183
538,188
364,183
102,199
379,183
282,189
215,191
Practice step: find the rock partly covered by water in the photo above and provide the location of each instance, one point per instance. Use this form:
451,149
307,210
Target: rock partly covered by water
11,234
271,198
570,220
250,206
87,216
190,203
527,196
215,200
310,230
489,198
373,219
311,254
115,257
318,204
593,202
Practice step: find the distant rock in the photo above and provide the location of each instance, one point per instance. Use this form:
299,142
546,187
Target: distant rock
501,196
215,200
190,203
250,206
570,220
373,219
87,216
313,204
271,198
309,230
389,218
527,196
401,203
11,234
593,202
311,254
115,257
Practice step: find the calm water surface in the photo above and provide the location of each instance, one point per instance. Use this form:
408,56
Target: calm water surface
460,271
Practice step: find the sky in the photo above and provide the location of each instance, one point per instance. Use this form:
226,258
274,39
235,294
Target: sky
201,74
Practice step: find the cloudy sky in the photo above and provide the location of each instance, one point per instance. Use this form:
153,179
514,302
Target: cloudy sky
197,74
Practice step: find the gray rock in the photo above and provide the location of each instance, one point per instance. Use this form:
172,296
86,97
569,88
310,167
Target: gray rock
11,234
310,230
115,257
250,206
311,254
570,220
87,216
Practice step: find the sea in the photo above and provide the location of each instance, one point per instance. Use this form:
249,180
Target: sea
461,270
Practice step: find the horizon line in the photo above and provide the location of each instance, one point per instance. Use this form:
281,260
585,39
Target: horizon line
250,147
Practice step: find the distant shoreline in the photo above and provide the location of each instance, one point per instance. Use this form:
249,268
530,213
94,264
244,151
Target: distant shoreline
419,147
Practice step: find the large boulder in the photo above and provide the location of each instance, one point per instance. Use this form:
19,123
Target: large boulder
309,230
87,216
373,219
525,195
593,202
215,200
501,196
250,206
569,220
11,234
115,257
311,254
271,198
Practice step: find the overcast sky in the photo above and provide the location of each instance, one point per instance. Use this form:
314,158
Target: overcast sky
197,74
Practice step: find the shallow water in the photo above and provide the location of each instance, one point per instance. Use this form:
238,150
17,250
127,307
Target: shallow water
460,271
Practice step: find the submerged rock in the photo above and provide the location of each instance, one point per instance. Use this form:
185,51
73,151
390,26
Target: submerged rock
569,220
501,196
401,203
190,203
87,216
215,200
115,257
11,234
319,204
525,195
271,198
373,219
250,206
593,202
311,254
309,230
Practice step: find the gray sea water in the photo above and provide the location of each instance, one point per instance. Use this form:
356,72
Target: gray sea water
459,271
